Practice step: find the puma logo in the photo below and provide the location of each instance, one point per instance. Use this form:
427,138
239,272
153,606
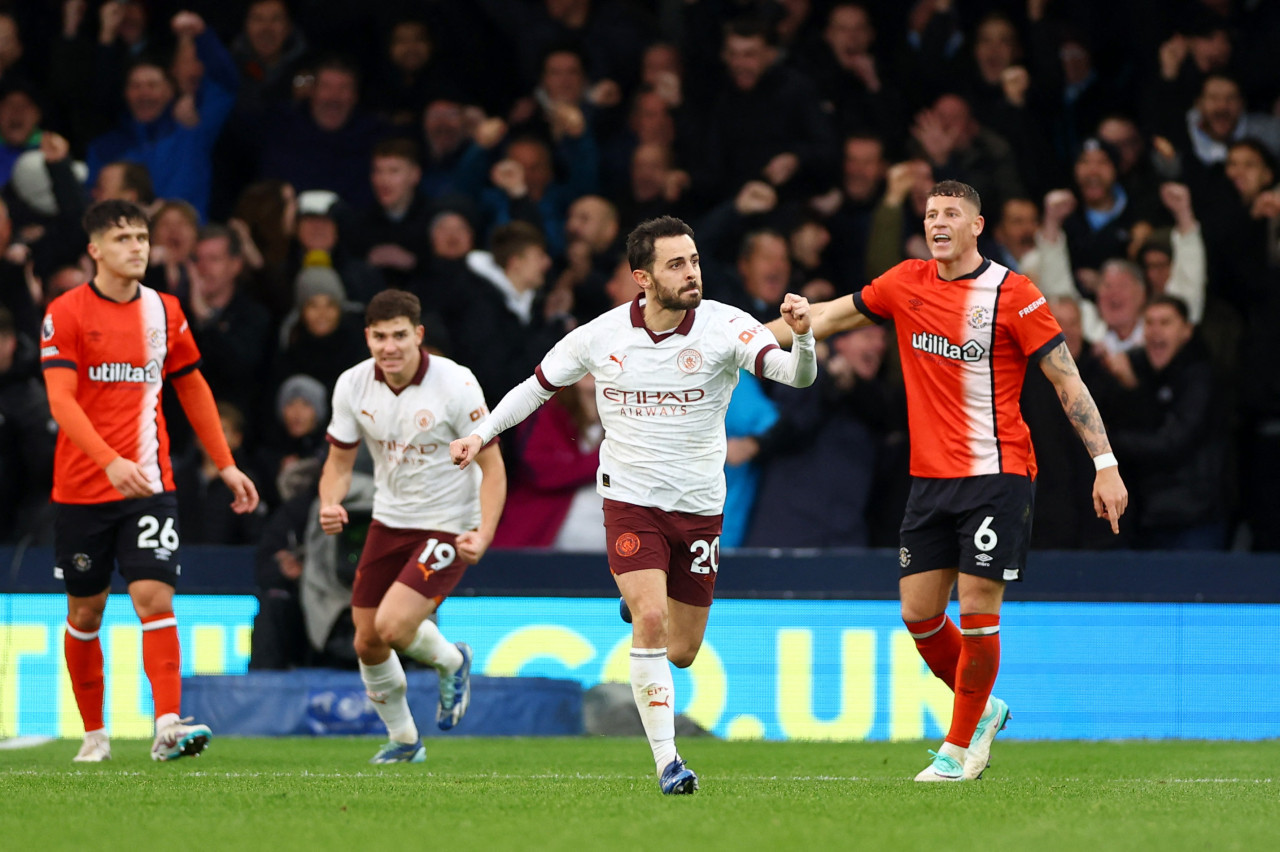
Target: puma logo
369,414
615,359
666,702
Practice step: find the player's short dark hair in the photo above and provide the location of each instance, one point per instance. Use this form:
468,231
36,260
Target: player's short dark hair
752,27
390,304
137,177
405,149
956,189
105,215
511,239
222,232
1178,304
641,241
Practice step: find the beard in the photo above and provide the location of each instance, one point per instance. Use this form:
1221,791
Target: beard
677,300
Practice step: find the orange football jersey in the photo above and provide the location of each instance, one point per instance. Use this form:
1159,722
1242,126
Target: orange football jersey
965,345
122,352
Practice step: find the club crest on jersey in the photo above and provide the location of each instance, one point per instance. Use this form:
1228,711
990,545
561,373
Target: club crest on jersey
904,557
46,328
123,371
936,344
424,419
979,317
689,361
155,338
627,545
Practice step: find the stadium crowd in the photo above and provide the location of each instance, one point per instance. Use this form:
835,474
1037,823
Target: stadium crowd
299,156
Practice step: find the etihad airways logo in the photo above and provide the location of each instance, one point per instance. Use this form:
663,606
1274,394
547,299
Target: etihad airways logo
936,344
123,371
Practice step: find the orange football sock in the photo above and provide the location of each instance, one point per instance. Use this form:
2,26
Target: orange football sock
162,661
938,641
84,663
975,674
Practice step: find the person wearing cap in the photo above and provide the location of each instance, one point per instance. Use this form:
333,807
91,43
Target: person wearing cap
323,220
1100,227
324,336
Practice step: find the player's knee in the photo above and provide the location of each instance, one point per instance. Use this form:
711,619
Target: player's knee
392,630
369,647
682,658
84,617
650,621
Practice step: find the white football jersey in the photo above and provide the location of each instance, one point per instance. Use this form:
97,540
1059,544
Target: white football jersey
662,399
408,433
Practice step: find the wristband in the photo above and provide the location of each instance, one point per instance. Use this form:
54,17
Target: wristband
1104,461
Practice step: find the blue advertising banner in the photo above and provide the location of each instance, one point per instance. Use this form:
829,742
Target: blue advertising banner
772,669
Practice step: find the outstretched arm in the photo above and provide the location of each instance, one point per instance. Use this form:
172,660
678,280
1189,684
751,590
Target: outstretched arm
521,401
825,318
1110,498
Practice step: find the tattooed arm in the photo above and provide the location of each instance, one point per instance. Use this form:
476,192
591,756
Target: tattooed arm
1110,498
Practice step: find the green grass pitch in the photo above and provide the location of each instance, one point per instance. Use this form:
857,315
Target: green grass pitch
600,793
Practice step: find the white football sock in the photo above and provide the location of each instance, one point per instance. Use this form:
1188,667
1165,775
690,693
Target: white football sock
387,688
429,646
654,692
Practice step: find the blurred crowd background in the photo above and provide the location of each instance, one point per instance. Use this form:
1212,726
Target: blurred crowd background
298,156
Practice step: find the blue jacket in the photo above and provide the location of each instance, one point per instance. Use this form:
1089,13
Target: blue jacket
750,414
178,157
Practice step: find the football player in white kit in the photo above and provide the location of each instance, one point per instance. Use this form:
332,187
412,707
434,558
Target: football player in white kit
665,366
430,520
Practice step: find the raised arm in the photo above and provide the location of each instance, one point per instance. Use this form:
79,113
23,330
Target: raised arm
521,401
1110,498
825,319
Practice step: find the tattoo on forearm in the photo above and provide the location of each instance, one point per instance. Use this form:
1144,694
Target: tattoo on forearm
1083,414
1077,402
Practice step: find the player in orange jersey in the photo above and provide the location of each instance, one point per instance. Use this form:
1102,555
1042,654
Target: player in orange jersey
107,347
967,328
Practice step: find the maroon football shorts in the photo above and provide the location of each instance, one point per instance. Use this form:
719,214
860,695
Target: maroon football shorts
424,560
684,545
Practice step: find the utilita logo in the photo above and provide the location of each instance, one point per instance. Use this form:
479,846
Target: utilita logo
123,371
936,344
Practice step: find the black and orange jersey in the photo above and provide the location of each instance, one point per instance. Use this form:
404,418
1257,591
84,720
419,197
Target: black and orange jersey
122,353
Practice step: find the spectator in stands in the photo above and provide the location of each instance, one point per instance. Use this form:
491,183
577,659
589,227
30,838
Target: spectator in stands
268,52
279,638
764,271
808,240
1122,293
1171,434
27,436
174,231
125,181
323,221
234,332
1135,162
1037,250
1100,227
751,426
957,147
326,335
501,323
655,188
268,210
553,502
832,432
444,129
522,185
1216,120
594,244
204,505
854,87
792,150
20,118
46,201
16,291
295,431
391,235
850,207
409,75
452,237
896,232
312,144
171,131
